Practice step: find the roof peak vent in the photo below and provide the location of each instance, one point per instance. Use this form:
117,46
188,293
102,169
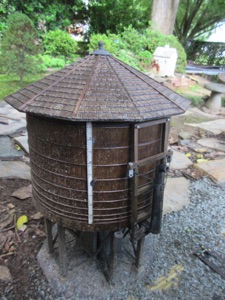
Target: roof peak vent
101,50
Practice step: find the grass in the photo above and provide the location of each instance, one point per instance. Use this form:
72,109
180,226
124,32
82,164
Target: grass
10,84
195,100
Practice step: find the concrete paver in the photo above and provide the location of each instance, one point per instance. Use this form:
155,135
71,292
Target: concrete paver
176,194
14,169
7,149
16,119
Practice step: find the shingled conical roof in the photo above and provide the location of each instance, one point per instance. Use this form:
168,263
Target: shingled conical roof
99,87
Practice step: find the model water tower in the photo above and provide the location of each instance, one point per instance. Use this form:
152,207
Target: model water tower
98,143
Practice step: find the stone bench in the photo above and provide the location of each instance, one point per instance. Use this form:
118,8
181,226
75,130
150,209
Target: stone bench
214,101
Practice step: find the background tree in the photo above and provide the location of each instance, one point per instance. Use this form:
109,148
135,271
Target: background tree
196,17
163,15
19,45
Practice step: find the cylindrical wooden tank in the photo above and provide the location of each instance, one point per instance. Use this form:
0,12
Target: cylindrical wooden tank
58,153
97,130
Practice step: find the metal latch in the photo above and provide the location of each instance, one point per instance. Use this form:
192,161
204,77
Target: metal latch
131,168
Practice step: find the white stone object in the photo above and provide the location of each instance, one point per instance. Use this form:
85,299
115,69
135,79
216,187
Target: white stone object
166,58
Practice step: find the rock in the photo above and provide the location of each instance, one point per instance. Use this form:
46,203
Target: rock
214,101
184,142
185,135
176,194
180,161
22,141
212,143
214,169
5,274
23,192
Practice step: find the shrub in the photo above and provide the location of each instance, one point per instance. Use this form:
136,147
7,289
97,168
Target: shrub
60,43
52,62
111,42
156,39
137,49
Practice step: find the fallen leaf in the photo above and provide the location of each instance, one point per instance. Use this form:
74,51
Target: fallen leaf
23,192
21,221
199,155
10,206
166,282
40,233
200,160
188,154
37,216
23,228
18,148
201,150
8,219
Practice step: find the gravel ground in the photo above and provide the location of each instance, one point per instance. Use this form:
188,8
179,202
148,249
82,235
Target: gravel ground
200,223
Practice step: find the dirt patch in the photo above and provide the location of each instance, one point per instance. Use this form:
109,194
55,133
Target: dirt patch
21,261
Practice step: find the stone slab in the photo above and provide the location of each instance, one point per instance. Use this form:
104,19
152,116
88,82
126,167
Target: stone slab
215,87
14,169
7,149
176,194
216,126
213,168
9,111
180,161
22,141
16,119
212,143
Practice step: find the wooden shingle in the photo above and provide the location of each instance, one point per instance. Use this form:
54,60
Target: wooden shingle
99,88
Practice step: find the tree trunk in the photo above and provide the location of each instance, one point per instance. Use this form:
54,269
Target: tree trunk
163,15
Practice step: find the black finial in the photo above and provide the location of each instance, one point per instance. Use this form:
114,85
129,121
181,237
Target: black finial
101,50
100,45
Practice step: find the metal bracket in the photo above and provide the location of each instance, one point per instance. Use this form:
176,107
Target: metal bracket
131,169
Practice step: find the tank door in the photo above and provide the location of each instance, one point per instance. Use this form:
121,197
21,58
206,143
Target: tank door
150,150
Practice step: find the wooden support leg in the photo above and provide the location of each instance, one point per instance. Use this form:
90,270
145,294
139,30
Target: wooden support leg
48,229
62,251
111,256
139,252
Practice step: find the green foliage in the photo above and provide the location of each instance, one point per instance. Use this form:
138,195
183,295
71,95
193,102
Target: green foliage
111,42
52,62
46,14
137,49
60,43
19,45
206,53
114,15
